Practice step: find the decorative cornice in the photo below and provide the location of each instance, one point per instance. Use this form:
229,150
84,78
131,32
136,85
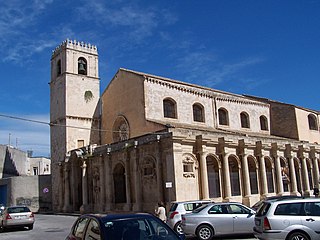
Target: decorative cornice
207,93
75,45
180,87
240,101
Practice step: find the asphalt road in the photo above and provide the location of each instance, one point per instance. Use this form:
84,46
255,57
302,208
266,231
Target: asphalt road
56,227
51,227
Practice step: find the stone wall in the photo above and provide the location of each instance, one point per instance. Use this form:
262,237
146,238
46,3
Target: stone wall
32,191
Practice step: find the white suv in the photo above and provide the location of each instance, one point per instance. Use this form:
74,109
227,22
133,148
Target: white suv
288,219
179,208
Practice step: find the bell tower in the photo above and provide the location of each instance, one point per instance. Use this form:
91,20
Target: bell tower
74,103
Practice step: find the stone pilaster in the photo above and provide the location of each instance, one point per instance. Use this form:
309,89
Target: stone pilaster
84,207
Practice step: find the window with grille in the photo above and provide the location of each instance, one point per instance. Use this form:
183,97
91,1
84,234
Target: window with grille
169,108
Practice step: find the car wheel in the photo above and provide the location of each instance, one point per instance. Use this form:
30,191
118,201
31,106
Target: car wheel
298,236
204,232
30,227
178,228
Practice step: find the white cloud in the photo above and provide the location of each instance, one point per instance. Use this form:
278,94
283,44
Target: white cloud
210,68
137,22
17,20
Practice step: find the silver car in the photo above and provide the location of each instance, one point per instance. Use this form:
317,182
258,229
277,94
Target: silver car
179,208
217,219
297,219
17,216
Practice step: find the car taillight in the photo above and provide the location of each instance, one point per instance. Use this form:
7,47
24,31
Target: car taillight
31,215
8,217
173,214
266,224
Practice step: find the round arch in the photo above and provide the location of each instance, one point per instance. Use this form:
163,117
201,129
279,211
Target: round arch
119,183
270,174
214,175
234,170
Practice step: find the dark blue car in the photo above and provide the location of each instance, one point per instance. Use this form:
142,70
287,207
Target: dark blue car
133,226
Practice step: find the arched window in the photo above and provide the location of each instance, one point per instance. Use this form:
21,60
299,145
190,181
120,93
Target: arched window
234,176
223,117
253,175
297,169
269,173
263,123
198,112
59,67
245,123
312,122
309,167
213,177
82,66
285,173
169,108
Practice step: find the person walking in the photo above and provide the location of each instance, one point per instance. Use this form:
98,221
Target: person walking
161,212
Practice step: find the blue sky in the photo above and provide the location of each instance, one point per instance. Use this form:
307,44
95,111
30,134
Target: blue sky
263,48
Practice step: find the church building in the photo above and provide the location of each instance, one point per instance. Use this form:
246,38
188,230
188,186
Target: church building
148,138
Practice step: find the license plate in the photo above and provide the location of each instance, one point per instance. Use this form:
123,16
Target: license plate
20,217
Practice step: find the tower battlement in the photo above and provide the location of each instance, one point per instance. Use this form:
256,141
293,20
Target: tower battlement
76,45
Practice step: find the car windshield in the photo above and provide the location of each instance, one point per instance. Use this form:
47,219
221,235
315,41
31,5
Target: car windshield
18,209
128,229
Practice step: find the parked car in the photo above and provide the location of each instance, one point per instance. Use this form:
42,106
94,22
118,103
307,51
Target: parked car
179,208
258,204
16,216
217,219
288,219
131,226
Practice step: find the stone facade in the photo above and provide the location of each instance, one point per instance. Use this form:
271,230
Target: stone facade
163,139
74,101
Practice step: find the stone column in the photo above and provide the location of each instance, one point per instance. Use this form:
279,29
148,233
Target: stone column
201,150
84,207
263,172
102,184
108,182
292,173
246,176
61,192
128,180
293,177
316,171
74,184
66,207
315,166
137,179
160,180
204,175
304,168
306,183
226,177
278,175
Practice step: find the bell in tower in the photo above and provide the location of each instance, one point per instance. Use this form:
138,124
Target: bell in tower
82,66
